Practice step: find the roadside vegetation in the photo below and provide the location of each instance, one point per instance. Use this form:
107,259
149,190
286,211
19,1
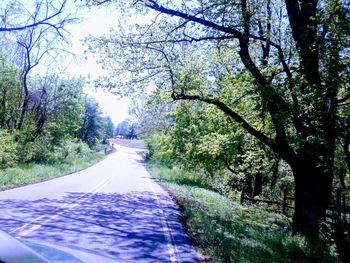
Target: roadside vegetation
61,132
29,173
78,158
48,126
223,230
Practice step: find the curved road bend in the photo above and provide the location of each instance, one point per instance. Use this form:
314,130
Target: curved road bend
112,208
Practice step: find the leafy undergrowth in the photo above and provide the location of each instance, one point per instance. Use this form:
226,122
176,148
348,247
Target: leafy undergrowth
225,231
24,174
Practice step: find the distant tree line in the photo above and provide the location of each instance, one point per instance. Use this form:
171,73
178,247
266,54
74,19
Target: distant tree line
126,130
58,115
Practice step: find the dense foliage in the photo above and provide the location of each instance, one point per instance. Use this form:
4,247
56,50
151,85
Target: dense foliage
44,116
59,120
252,95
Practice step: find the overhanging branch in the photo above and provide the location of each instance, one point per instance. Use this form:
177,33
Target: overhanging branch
155,6
232,114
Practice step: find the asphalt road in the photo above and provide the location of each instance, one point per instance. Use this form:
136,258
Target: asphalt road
113,208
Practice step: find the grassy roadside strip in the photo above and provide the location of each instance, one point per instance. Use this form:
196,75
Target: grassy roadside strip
224,231
24,174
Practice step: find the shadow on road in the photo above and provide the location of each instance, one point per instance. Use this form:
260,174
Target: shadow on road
126,226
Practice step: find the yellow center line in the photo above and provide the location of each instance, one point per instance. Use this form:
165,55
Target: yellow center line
58,211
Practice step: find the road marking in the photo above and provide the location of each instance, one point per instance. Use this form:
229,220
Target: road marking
62,209
172,248
45,215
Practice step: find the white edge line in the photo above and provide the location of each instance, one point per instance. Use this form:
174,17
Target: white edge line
172,248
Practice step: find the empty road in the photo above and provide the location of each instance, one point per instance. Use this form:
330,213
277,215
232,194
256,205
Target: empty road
113,208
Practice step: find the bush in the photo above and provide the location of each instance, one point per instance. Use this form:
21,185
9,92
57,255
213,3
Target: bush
37,151
159,147
43,150
8,149
68,150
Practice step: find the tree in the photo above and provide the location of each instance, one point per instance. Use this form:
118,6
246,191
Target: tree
61,110
203,141
31,32
33,52
151,114
298,69
131,133
108,128
91,131
126,130
10,97
17,16
122,128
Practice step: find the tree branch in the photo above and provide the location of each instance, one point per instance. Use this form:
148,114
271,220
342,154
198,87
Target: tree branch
232,114
44,21
344,99
275,103
155,6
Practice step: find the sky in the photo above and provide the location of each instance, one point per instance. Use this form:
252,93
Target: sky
96,22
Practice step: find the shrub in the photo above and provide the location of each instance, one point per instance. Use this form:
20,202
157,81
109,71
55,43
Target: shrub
37,151
8,149
159,146
67,150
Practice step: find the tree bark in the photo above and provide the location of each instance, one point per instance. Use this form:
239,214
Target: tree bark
312,195
248,186
258,184
25,103
346,148
274,176
3,106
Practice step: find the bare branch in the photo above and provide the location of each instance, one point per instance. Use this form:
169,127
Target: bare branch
44,21
155,6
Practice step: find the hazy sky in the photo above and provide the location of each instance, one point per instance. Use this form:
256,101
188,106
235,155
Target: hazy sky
95,22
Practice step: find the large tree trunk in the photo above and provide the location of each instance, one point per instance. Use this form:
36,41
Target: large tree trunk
274,176
313,186
258,184
248,186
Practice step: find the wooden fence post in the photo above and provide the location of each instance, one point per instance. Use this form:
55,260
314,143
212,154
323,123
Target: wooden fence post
344,210
338,204
242,196
284,202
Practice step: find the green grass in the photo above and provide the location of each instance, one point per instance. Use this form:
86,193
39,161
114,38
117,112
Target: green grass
24,174
225,231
